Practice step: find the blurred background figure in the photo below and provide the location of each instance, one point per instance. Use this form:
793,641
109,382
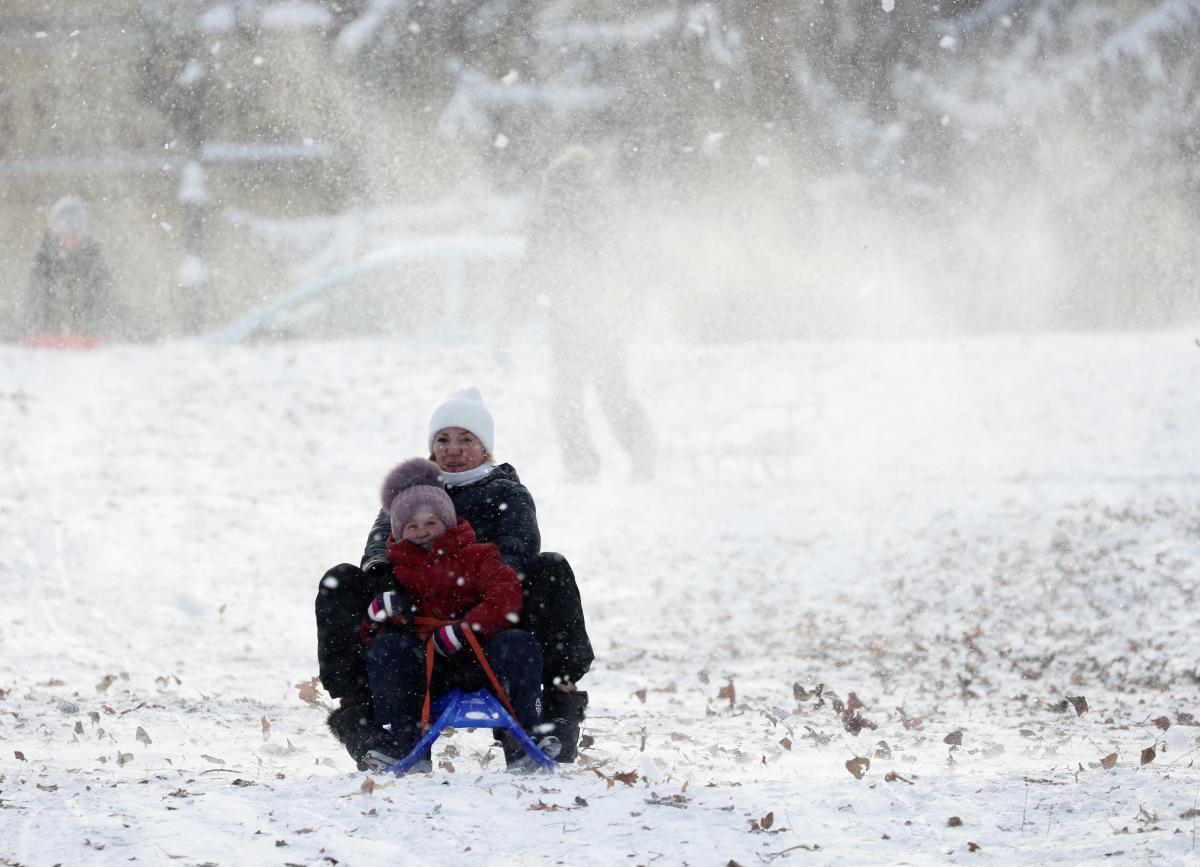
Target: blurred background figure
69,298
575,268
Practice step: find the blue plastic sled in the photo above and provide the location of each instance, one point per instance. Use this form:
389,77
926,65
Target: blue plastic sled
478,710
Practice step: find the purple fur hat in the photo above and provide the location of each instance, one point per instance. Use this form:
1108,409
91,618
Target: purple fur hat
415,486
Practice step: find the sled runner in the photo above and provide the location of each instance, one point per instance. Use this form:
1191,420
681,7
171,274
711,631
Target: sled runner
481,710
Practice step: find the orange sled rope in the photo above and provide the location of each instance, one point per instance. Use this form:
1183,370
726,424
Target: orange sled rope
434,624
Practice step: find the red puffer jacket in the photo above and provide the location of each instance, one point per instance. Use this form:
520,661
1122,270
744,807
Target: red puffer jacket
458,579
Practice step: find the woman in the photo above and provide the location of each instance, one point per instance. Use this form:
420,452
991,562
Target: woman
500,510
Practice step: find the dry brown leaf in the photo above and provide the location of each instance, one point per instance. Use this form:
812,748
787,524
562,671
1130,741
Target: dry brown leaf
892,777
1080,704
123,758
1162,722
767,821
728,691
585,741
446,766
1148,755
19,756
954,738
368,786
854,722
954,822
105,682
853,702
883,751
142,736
972,847
1189,813
858,766
266,728
543,806
307,690
1109,762
628,777
785,743
641,694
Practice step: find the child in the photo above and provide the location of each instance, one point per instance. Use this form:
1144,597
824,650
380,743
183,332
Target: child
441,572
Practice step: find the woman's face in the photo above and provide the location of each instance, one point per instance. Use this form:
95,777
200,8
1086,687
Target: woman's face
457,450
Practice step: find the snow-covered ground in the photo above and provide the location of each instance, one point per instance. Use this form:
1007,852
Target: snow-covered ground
972,562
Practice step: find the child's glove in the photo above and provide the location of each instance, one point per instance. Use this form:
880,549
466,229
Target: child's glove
389,607
388,612
449,640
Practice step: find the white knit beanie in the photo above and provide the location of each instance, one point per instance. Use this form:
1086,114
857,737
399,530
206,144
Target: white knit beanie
464,409
68,214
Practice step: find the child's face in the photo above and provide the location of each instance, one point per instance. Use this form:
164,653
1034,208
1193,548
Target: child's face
422,527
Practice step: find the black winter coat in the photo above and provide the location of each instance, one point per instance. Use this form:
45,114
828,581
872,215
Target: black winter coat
70,292
499,509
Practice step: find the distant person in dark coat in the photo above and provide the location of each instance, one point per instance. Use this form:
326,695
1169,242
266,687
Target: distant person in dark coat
500,510
576,270
70,291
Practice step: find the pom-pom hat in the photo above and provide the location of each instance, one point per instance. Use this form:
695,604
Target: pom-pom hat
464,409
412,487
